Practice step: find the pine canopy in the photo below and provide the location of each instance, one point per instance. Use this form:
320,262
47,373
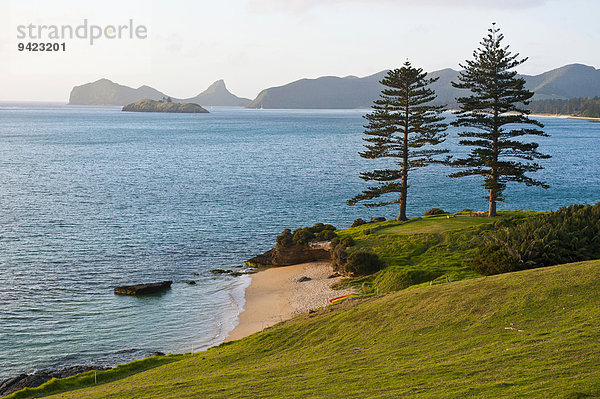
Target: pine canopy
494,118
403,126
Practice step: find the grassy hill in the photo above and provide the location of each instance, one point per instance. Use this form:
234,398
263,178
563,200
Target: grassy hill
427,249
533,333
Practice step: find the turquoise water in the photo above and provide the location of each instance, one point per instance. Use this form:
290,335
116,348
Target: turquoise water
92,198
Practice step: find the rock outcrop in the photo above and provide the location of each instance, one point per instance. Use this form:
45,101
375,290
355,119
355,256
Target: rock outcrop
143,289
147,105
293,255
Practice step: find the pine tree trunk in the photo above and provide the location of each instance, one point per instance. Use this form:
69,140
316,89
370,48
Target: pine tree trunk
496,132
404,188
403,192
492,208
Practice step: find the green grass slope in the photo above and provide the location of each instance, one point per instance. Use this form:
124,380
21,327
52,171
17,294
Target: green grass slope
529,334
422,250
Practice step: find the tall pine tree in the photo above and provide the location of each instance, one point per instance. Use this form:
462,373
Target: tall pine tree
494,117
403,126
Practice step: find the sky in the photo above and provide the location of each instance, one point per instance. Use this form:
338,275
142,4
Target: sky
256,44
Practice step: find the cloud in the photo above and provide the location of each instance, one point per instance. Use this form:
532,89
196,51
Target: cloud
304,5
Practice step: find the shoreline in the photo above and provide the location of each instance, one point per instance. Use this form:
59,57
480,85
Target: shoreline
275,295
561,116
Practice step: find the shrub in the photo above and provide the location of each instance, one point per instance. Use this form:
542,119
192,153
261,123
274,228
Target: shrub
303,236
347,241
285,239
378,219
568,235
435,211
317,228
358,222
362,262
338,253
326,235
318,232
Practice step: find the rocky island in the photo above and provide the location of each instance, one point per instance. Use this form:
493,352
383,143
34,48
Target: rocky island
147,105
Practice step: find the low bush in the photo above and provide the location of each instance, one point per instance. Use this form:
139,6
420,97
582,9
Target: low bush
358,222
339,256
570,234
361,263
378,219
285,239
325,235
435,211
303,236
318,232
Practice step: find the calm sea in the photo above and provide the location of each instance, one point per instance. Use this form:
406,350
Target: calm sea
92,198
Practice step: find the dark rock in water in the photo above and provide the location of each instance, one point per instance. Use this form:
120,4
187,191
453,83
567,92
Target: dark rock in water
221,271
334,275
39,377
233,273
190,282
303,279
158,354
143,289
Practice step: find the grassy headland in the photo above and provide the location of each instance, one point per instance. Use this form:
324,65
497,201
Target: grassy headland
430,249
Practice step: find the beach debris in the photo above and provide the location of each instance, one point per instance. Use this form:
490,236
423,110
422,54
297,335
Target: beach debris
143,289
303,279
342,297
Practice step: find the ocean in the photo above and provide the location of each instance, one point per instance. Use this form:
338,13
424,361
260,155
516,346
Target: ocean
92,198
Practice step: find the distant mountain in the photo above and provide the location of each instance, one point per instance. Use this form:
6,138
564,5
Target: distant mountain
217,94
324,92
570,81
349,92
105,92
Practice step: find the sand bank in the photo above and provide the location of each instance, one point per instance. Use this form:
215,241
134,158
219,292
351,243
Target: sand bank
275,295
566,117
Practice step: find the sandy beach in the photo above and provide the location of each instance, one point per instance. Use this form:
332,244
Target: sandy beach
567,117
276,295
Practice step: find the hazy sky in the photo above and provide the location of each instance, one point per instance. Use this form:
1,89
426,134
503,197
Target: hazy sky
255,44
